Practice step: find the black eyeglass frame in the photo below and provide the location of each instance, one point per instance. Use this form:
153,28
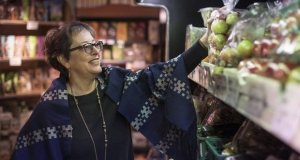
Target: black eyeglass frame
89,44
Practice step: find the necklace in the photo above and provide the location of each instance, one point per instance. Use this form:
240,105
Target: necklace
104,125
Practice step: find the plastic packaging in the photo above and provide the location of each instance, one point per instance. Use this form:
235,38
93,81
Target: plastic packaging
224,20
240,44
193,34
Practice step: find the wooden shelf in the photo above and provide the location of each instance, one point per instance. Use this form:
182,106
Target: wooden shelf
6,60
25,63
118,11
21,22
18,27
22,95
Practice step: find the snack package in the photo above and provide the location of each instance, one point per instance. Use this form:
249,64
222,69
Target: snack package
250,138
220,113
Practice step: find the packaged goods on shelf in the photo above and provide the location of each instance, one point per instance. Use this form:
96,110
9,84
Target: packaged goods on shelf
193,34
121,32
153,31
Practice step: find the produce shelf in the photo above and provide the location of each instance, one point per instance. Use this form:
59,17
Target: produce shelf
260,99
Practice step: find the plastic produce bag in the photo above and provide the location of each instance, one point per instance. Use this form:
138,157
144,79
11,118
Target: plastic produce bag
240,44
224,19
230,4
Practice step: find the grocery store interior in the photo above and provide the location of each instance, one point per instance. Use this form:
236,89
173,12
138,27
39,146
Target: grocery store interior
245,92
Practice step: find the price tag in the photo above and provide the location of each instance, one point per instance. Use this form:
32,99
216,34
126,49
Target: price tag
242,102
219,86
15,61
207,77
232,94
287,117
256,99
201,74
32,25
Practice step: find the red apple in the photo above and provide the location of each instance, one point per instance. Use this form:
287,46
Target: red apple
257,48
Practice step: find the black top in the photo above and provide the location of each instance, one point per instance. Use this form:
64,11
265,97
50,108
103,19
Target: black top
118,128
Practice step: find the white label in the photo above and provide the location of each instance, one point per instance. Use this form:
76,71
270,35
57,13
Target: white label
232,94
287,118
32,25
257,100
15,61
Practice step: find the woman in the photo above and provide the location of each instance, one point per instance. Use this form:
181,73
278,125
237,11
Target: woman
87,112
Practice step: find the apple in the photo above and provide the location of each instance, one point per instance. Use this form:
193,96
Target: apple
210,37
245,48
228,33
291,22
219,40
218,70
228,57
232,18
294,76
250,66
283,71
219,26
257,48
214,51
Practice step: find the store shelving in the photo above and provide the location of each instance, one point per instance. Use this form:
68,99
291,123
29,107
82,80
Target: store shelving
21,22
24,63
260,99
30,94
118,11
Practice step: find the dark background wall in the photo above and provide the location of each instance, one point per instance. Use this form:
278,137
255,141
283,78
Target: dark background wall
185,12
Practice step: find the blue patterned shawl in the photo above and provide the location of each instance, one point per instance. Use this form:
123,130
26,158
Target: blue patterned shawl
156,101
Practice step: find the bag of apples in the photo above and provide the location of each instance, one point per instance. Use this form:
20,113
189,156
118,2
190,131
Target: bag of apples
239,45
224,20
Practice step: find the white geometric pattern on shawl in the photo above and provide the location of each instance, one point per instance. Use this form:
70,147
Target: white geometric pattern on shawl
163,82
167,141
64,131
142,117
107,71
130,79
55,95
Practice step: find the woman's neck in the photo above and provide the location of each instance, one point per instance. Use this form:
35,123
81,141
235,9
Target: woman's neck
81,86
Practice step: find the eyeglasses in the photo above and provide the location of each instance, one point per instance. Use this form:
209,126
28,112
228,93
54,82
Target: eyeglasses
89,47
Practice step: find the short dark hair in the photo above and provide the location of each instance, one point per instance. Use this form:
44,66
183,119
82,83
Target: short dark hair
58,42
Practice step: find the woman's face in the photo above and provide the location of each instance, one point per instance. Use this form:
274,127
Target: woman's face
83,64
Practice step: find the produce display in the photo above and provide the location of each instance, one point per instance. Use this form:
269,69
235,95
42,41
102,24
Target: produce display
259,41
253,65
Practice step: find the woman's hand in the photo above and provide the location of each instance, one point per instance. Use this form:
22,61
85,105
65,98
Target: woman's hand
204,39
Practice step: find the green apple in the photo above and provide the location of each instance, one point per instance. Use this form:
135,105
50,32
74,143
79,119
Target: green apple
219,26
232,18
245,48
219,40
210,37
228,57
294,76
218,70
